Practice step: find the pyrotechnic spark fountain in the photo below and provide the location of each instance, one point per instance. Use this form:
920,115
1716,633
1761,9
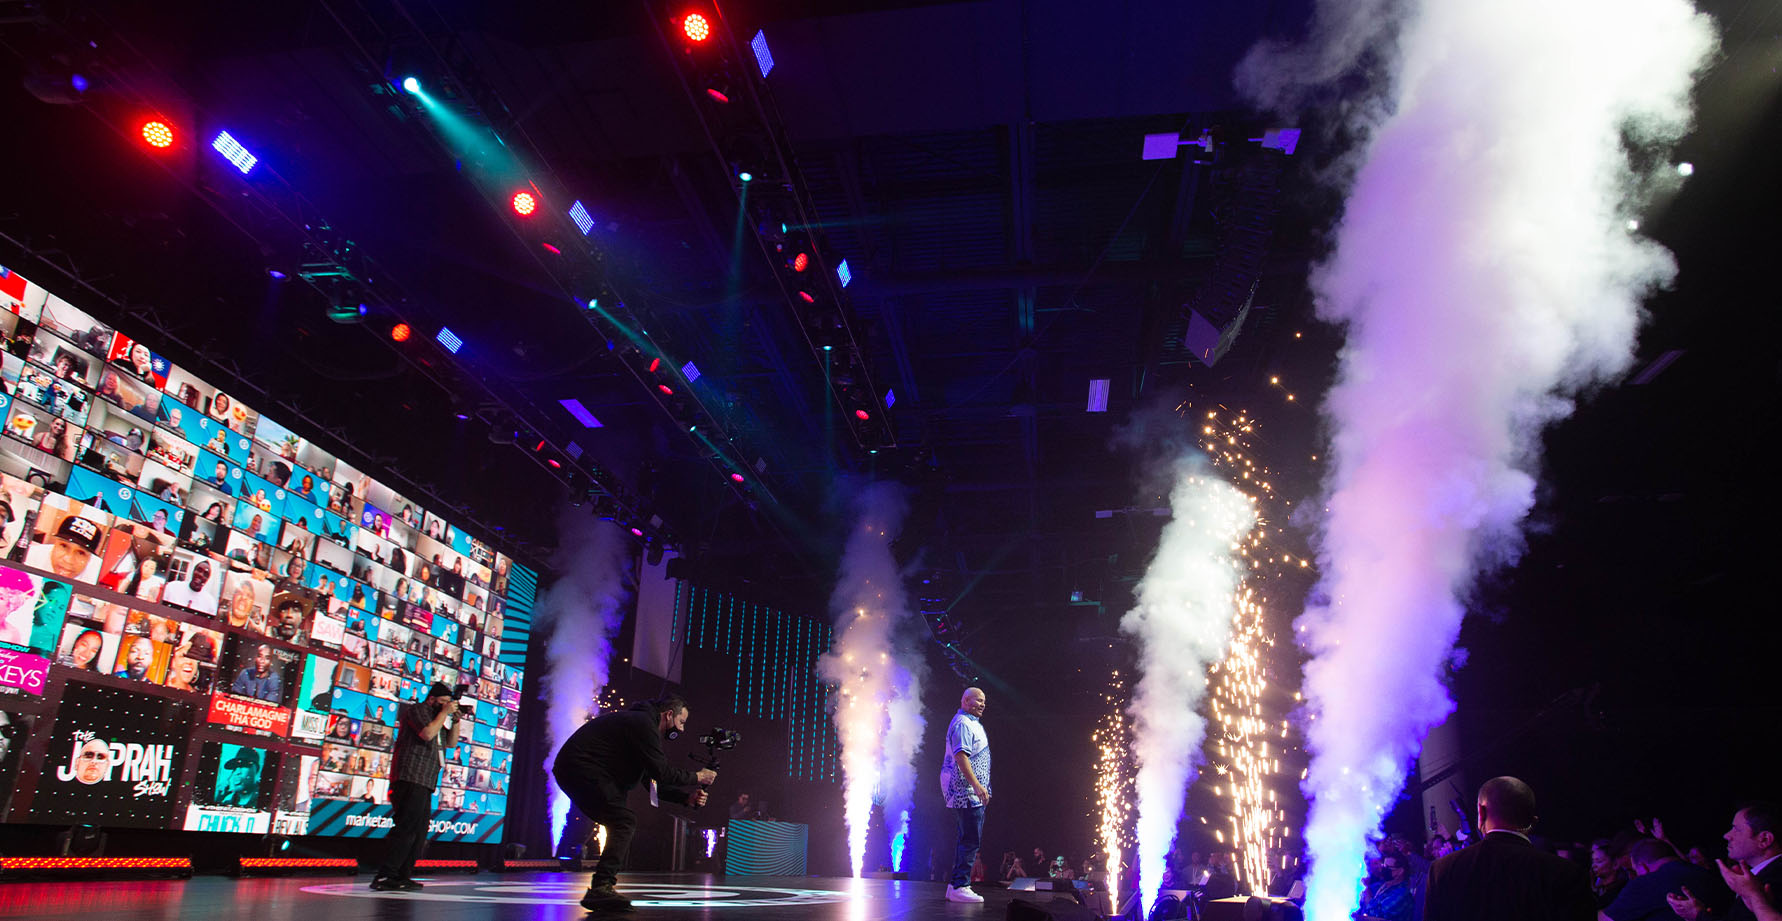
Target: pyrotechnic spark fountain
1485,273
1246,754
877,679
1182,623
1113,781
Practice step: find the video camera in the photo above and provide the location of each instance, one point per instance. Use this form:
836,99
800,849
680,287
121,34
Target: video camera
720,739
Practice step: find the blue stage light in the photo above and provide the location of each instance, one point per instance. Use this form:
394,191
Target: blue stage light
582,218
890,398
232,151
411,85
450,340
843,273
575,408
690,371
79,83
763,57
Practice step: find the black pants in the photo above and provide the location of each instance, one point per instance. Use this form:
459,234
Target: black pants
601,800
411,809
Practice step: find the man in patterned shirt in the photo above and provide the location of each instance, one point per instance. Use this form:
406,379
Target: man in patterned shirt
965,782
424,731
1390,900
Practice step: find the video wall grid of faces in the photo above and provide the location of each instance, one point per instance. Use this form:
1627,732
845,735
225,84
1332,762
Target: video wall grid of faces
209,623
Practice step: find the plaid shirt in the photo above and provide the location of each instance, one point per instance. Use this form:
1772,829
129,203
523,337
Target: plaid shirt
1391,901
418,760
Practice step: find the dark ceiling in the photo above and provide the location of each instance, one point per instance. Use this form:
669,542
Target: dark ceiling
978,166
976,163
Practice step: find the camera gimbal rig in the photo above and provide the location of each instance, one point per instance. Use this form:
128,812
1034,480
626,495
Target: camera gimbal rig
719,739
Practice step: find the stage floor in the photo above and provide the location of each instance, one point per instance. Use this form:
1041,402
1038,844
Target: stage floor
498,897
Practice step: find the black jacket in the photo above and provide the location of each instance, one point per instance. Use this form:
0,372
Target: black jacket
624,747
1771,877
1505,877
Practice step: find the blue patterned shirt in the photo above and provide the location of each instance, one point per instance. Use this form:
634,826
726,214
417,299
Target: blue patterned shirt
1391,901
965,734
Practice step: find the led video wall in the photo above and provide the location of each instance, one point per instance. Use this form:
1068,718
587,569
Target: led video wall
209,623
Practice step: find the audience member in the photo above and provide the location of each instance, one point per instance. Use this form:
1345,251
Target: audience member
1607,873
1504,876
1388,896
1658,871
1752,841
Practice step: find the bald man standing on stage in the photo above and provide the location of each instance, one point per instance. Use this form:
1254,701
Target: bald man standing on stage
965,782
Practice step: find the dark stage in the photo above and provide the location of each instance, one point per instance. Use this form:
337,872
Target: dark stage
491,896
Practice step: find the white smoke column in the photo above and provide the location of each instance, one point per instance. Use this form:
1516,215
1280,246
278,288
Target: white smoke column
1485,273
1182,623
903,736
874,668
579,613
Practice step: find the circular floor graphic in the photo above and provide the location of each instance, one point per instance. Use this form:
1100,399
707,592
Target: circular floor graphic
569,892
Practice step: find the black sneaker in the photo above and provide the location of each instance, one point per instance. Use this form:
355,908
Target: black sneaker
408,885
386,884
605,898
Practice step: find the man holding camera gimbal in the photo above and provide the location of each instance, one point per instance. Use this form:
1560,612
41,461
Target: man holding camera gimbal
425,729
600,764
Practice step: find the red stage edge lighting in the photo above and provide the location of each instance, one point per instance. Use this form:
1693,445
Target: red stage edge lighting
469,865
97,866
279,863
254,865
540,864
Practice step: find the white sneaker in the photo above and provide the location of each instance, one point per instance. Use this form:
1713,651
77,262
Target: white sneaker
963,894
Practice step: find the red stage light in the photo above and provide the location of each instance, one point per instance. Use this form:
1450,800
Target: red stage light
524,204
737,477
538,447
400,332
95,863
553,462
637,532
800,262
808,299
862,415
553,250
157,134
276,863
696,27
718,95
666,390
654,364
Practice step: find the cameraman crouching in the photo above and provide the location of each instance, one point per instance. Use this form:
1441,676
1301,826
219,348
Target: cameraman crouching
600,764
